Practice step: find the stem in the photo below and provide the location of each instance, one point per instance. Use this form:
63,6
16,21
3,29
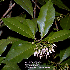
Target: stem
56,26
36,4
8,10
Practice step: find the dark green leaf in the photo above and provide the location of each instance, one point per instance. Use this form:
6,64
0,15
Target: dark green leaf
18,27
46,39
26,4
11,66
66,61
65,22
5,42
66,54
19,50
59,36
46,18
60,4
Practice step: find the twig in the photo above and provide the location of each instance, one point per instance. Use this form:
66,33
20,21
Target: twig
6,13
8,10
35,10
36,4
9,15
56,26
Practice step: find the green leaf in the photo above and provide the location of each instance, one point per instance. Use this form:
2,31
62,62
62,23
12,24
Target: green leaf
66,61
35,22
5,42
66,54
59,36
19,50
11,66
60,4
65,22
17,26
1,59
46,39
30,23
26,4
46,18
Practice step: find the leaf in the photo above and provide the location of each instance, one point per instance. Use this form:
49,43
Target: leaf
59,36
46,18
65,22
11,66
35,22
46,39
66,61
19,50
1,59
60,4
26,4
30,23
15,25
66,54
5,42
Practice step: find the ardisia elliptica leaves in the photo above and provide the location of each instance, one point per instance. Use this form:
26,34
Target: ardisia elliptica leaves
26,4
46,18
59,36
11,66
25,27
66,54
19,50
65,22
5,42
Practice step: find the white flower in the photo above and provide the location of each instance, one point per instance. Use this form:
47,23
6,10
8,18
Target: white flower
50,51
40,57
47,53
53,50
54,45
35,53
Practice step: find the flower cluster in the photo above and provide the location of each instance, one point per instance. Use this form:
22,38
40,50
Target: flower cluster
44,51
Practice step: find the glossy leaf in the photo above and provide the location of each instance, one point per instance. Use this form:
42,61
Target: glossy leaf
19,50
59,36
5,42
60,4
11,66
26,4
65,22
15,25
46,18
66,61
30,23
66,54
46,39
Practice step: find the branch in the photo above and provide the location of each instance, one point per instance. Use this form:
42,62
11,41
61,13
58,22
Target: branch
56,25
8,10
36,4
